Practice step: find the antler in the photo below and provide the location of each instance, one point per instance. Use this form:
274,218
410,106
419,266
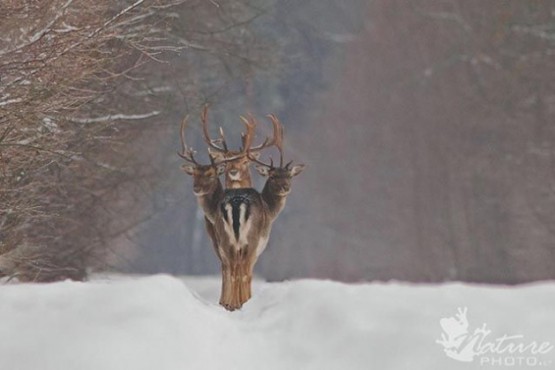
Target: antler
278,132
212,143
277,141
187,153
247,138
276,137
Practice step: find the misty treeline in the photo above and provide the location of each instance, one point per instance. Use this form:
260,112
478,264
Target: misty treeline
428,137
86,91
435,148
427,128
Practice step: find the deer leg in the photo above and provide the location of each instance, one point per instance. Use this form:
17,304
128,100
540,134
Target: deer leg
243,281
248,279
248,274
226,293
231,288
245,270
236,280
237,283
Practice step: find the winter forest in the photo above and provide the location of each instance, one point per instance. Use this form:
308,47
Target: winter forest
425,127
420,233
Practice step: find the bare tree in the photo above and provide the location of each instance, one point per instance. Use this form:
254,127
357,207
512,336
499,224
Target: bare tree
80,89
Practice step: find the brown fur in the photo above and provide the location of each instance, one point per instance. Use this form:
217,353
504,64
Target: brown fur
239,257
237,172
209,192
237,261
239,219
277,187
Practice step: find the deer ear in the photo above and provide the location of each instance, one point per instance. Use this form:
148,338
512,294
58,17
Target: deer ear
189,169
218,156
220,169
297,169
262,170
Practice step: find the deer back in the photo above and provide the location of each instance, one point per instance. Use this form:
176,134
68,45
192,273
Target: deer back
243,226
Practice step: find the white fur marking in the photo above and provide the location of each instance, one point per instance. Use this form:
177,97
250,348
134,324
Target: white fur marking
236,177
244,228
228,223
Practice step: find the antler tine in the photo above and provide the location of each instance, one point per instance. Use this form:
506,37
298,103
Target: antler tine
274,141
186,153
248,137
254,159
210,142
222,139
277,141
278,134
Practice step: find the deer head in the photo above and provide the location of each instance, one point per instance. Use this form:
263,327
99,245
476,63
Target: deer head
279,178
205,176
237,162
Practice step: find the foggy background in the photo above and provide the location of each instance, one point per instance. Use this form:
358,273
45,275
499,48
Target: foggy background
427,130
426,127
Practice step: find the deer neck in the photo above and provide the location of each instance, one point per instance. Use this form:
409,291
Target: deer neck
274,201
209,202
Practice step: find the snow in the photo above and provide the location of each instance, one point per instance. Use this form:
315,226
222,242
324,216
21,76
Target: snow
10,101
116,117
161,322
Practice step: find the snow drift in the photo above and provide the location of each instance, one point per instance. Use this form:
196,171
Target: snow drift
160,322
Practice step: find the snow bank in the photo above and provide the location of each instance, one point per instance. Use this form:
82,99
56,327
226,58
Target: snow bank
159,323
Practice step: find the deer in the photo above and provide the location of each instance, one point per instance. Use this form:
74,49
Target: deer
246,223
210,194
239,220
207,186
278,185
237,171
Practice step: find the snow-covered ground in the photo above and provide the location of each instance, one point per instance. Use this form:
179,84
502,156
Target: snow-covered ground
161,322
